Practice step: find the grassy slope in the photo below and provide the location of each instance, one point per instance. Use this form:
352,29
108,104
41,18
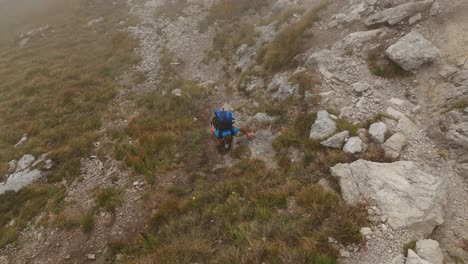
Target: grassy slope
56,89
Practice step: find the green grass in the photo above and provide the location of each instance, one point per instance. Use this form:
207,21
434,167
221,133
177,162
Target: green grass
229,10
8,235
460,104
165,134
56,89
230,37
243,216
87,222
410,245
380,65
290,41
23,206
109,199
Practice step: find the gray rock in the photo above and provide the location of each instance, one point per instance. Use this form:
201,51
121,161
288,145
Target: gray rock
412,51
25,162
20,179
429,250
356,39
261,118
394,145
48,164
458,134
354,145
12,166
377,131
360,87
414,19
280,5
435,8
366,231
413,258
400,259
177,92
22,140
399,13
95,21
91,256
280,88
261,147
323,127
411,198
344,253
336,141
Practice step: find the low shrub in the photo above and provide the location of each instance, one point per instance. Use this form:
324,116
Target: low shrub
87,222
109,199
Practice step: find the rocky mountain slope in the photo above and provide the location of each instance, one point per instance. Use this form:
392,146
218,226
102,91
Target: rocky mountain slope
360,110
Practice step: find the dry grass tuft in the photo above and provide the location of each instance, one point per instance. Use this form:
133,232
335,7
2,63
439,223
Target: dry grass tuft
290,41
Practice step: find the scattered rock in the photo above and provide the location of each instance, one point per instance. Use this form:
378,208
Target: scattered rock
354,145
396,101
261,118
412,51
48,164
360,87
323,127
429,250
413,258
400,259
12,166
377,131
397,14
410,197
344,253
91,256
435,8
414,19
458,134
394,145
22,140
177,92
356,39
337,140
261,147
366,231
94,21
280,88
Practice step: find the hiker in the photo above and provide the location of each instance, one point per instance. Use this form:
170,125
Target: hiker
224,130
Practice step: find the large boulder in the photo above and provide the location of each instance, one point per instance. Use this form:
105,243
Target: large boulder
394,145
23,175
323,127
413,258
410,197
429,250
399,13
412,51
336,141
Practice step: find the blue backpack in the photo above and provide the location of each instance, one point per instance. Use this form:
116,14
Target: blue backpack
223,120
